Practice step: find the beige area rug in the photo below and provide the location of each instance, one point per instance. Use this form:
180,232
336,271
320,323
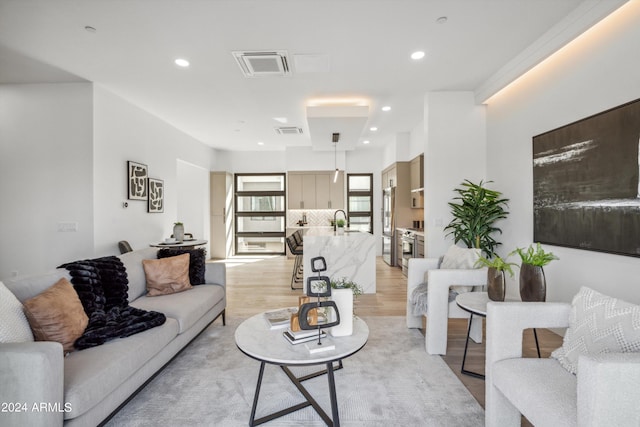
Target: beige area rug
392,381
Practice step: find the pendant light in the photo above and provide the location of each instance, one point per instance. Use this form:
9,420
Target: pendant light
335,138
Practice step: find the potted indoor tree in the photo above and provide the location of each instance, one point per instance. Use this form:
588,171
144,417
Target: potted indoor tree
474,216
496,281
533,284
343,292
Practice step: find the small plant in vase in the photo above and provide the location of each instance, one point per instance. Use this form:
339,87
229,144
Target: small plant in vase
342,293
496,281
340,223
533,284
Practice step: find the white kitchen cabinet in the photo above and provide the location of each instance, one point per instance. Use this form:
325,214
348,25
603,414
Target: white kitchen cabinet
315,190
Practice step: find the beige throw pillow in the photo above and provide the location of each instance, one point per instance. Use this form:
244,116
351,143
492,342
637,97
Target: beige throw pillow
57,315
167,275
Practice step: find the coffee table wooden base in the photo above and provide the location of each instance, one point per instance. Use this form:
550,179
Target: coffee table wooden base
310,401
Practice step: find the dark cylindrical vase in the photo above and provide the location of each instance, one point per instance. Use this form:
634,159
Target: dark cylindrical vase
533,285
495,284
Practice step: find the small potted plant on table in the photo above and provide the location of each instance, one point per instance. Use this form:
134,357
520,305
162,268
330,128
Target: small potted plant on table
342,293
533,284
496,281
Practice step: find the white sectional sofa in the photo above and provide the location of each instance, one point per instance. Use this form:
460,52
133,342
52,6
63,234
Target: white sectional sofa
86,386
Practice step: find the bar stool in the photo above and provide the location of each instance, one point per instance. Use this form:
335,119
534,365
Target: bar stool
297,250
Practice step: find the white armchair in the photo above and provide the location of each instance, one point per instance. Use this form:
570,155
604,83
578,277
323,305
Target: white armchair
439,309
605,391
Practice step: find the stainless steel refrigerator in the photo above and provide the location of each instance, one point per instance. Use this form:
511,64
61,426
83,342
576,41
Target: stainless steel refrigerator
388,225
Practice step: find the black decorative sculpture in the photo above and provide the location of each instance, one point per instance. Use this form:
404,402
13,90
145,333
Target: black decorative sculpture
319,286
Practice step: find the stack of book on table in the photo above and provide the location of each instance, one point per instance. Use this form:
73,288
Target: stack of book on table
279,319
302,336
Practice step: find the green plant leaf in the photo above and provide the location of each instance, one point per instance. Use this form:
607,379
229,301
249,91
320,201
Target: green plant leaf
475,209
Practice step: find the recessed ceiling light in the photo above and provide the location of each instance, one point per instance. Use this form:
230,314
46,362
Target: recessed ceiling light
260,143
90,29
181,62
417,55
386,108
373,129
282,120
366,141
442,20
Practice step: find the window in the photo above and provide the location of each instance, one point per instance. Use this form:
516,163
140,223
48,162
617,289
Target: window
360,201
260,213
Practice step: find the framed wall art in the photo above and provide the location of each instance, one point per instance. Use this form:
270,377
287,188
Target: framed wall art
137,181
586,183
156,196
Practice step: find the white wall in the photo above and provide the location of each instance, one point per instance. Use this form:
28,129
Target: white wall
454,150
124,132
193,200
597,72
64,159
45,175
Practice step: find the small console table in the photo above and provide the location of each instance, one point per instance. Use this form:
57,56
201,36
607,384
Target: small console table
186,244
475,303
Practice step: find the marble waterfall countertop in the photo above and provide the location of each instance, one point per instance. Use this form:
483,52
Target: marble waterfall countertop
351,255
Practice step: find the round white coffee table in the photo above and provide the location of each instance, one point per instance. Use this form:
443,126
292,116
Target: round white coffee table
256,340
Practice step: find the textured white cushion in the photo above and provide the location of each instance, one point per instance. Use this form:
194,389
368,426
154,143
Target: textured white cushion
460,258
598,324
14,326
457,257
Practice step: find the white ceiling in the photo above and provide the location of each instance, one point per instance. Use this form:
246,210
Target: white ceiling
338,49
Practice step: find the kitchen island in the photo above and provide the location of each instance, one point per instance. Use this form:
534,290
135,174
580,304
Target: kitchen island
351,255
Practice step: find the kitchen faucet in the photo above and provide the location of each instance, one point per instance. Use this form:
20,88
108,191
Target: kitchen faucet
335,225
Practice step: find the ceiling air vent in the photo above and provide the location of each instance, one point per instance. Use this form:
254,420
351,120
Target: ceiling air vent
263,63
288,130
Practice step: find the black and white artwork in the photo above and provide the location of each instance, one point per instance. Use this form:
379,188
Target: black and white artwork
137,181
156,196
586,183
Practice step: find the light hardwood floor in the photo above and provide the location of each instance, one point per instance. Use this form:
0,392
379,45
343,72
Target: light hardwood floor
256,284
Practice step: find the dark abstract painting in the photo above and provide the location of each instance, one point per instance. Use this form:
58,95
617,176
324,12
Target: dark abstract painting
586,183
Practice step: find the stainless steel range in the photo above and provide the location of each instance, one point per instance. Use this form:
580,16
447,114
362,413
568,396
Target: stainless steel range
409,248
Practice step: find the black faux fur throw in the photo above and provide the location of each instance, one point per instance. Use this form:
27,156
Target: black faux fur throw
102,286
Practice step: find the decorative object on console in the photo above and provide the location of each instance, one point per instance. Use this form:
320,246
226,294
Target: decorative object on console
599,156
57,315
598,324
178,231
102,285
155,203
533,284
474,216
319,286
197,260
137,181
496,281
